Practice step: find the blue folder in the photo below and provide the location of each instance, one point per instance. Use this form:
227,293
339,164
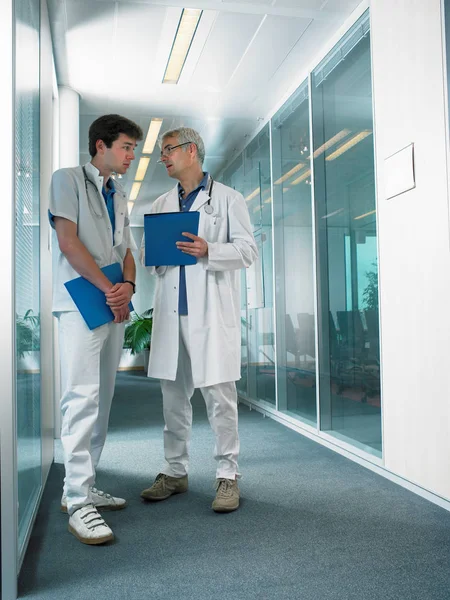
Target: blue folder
90,301
162,231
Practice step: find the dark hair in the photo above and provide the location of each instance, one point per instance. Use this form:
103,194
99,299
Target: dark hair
108,128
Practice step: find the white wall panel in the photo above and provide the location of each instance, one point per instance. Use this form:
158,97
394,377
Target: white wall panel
414,242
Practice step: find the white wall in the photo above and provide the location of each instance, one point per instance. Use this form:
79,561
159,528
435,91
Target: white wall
46,169
413,234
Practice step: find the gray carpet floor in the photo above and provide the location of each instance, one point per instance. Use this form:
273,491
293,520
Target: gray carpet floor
312,524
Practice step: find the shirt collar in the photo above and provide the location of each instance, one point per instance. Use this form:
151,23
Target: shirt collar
201,186
95,173
110,184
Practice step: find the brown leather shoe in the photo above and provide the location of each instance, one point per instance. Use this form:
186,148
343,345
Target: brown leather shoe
227,496
164,487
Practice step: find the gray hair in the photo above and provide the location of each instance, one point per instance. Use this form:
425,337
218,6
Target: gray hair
184,135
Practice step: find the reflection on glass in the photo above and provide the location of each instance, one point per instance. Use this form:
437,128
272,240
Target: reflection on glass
243,381
27,260
294,258
346,242
250,175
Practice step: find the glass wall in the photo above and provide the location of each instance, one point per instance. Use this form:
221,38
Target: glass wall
27,271
293,225
250,175
346,235
322,257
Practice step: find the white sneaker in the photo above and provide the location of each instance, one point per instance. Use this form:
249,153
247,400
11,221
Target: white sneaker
87,525
101,501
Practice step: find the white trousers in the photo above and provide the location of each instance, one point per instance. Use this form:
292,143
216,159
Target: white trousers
89,361
221,406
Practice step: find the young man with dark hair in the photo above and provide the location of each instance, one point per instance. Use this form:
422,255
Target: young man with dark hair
88,211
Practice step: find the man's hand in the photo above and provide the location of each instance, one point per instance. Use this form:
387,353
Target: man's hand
119,295
198,247
121,314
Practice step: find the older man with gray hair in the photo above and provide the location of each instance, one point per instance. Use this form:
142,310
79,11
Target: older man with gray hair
196,338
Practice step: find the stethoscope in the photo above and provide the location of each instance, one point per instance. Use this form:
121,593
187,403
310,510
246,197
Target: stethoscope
208,208
86,180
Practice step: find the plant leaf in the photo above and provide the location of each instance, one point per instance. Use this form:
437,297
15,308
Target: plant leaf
139,332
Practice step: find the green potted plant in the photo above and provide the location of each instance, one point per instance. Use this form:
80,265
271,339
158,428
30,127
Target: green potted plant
370,293
138,334
27,340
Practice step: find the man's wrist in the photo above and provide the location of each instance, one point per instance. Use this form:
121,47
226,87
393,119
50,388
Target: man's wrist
133,285
107,288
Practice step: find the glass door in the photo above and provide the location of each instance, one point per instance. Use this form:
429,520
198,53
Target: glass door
257,190
27,263
294,258
346,242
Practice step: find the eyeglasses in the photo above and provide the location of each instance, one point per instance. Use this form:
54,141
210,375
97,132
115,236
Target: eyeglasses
167,151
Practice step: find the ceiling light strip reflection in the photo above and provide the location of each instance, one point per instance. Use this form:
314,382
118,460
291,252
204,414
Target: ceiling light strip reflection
347,145
253,194
302,177
152,135
142,168
290,173
334,140
130,207
372,212
189,20
135,190
333,214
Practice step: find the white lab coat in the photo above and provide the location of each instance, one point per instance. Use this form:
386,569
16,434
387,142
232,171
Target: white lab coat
213,291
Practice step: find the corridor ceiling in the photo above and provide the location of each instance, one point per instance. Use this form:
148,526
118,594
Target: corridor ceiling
245,57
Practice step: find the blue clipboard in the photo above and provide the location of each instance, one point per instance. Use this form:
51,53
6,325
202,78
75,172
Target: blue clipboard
90,301
162,231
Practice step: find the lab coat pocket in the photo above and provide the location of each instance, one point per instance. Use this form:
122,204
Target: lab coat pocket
212,228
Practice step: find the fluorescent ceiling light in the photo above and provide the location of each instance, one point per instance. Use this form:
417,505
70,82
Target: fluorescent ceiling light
302,177
290,173
187,27
347,145
365,215
142,168
135,190
253,194
152,135
334,140
130,207
268,201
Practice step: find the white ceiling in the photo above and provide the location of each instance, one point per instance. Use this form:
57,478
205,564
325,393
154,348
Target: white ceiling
243,60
